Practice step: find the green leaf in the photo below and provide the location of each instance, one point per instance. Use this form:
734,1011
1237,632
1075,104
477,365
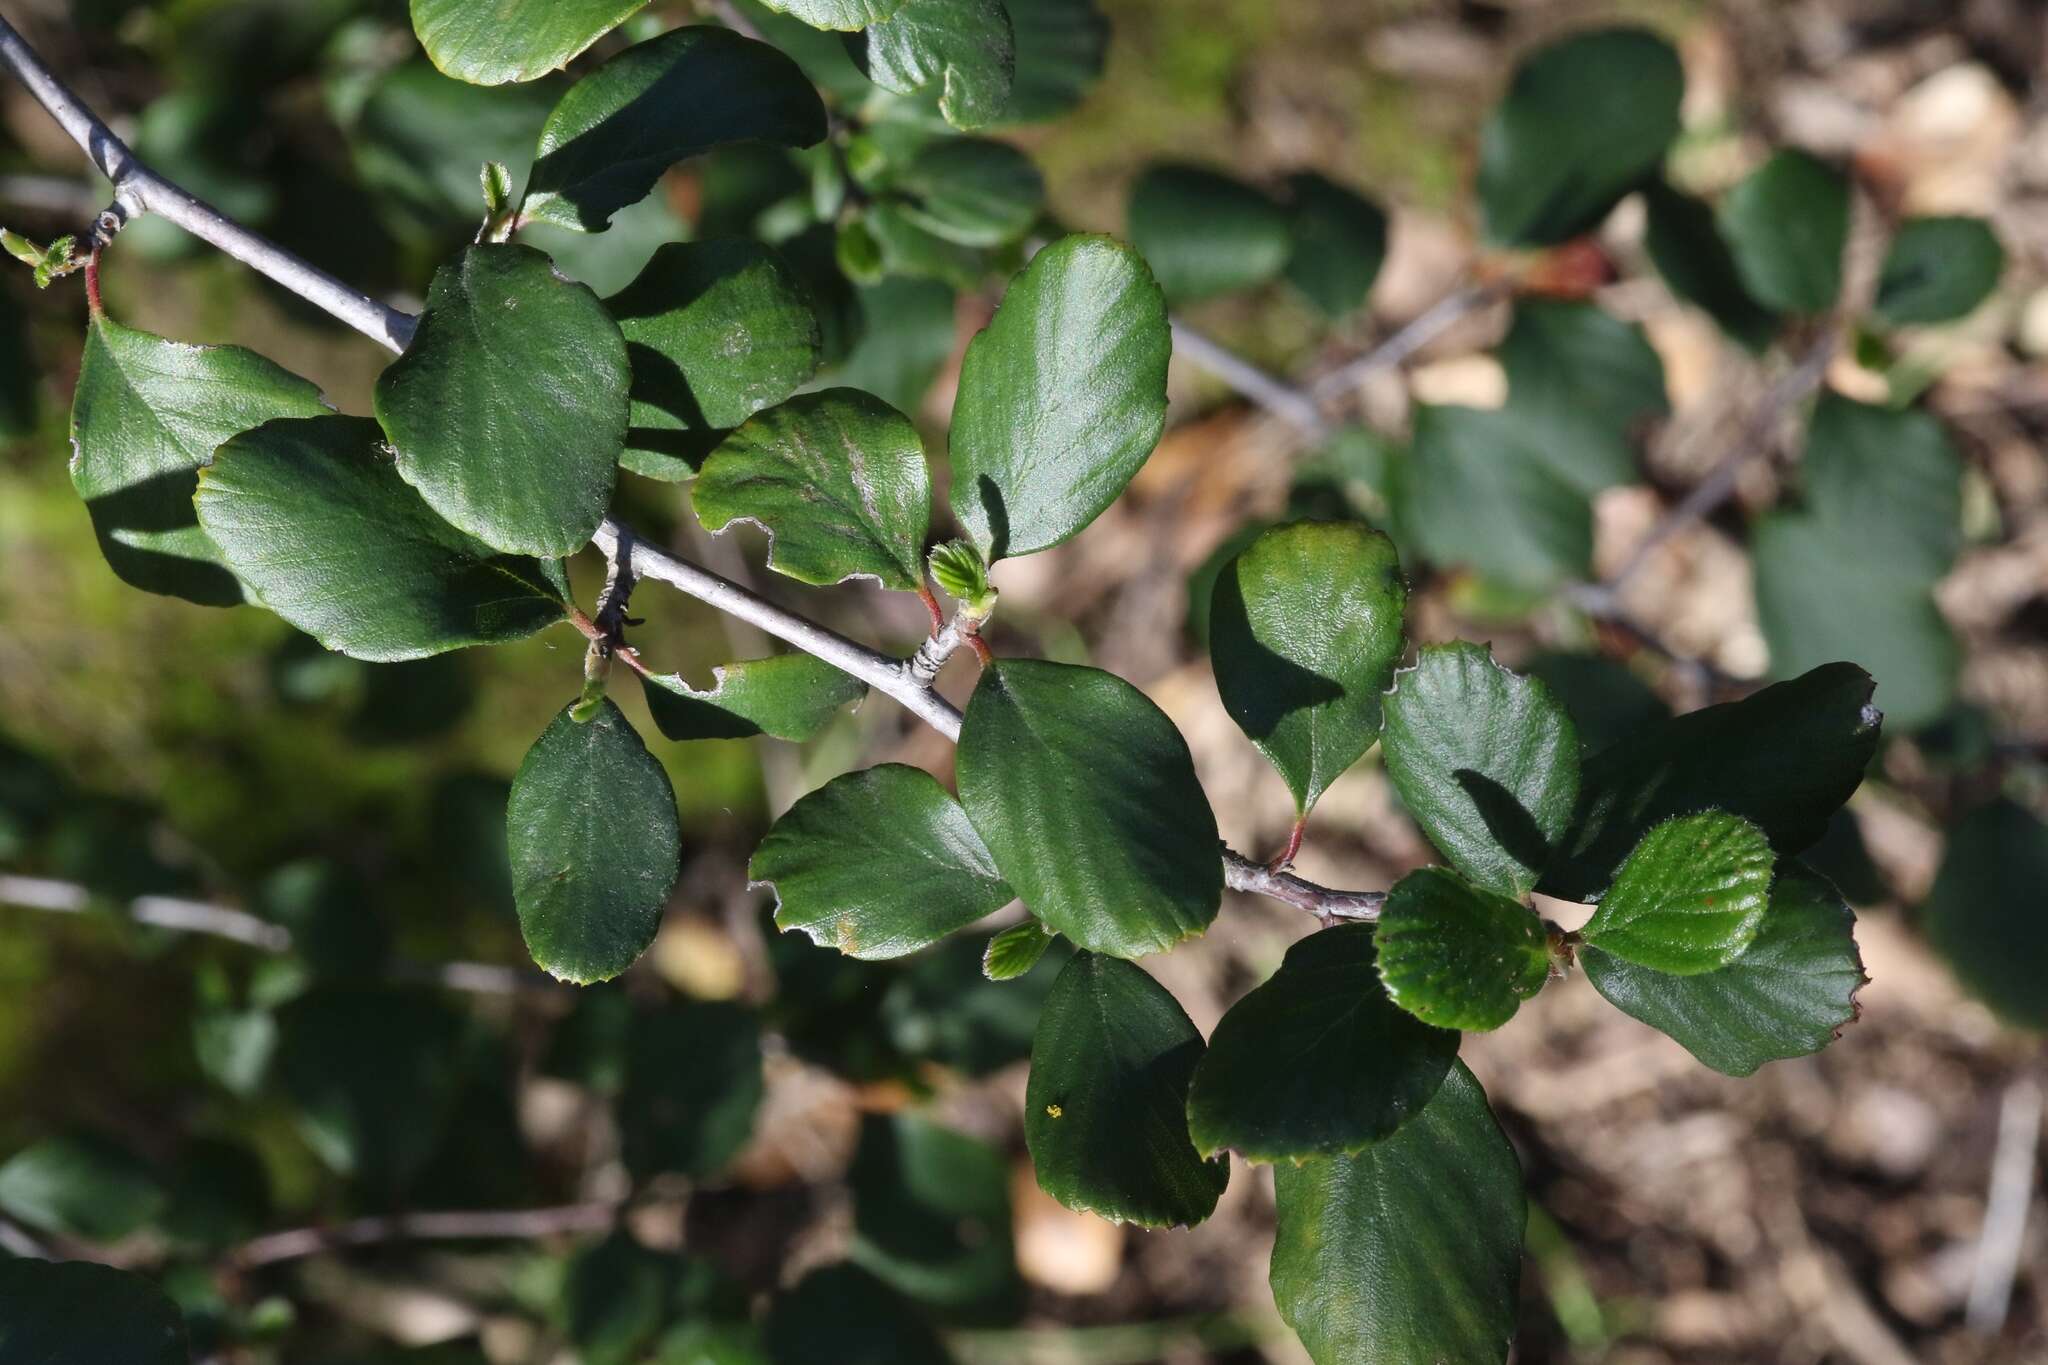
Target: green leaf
1087,797
371,1072
1409,1252
843,1314
1062,46
595,846
1787,224
836,478
1784,758
1938,269
693,1083
1605,698
417,139
1338,243
490,42
614,1300
843,15
971,191
1690,897
1457,955
1016,950
1105,1108
1482,494
79,1313
715,332
657,103
324,532
907,337
148,413
1585,121
931,1214
1486,761
964,47
1689,252
1304,633
1583,384
482,410
82,1186
1890,476
1983,914
1205,233
1788,994
789,696
878,863
1061,397
1317,1061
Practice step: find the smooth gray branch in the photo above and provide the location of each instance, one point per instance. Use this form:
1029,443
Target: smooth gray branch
1283,400
1426,327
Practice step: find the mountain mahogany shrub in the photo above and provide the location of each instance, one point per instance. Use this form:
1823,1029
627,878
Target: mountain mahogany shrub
495,452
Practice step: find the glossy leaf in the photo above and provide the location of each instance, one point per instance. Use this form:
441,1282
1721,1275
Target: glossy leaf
715,332
82,1313
692,1085
1585,120
1788,994
1584,385
843,1314
1062,46
147,414
1205,233
931,1214
1983,914
1690,897
1105,1108
1483,495
1410,1251
1688,250
878,863
1456,955
82,1185
971,191
1087,797
1485,760
1061,397
1938,269
1787,226
1338,243
1784,758
1317,1061
964,48
789,696
1016,950
836,478
490,42
844,15
657,103
508,410
325,533
1305,627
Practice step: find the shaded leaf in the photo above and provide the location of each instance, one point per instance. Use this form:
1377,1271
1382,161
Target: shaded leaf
1983,914
789,696
82,1185
1890,476
907,335
1016,950
965,48
1583,384
971,191
372,1073
693,1082
1062,46
1481,494
1688,250
1339,242
931,1214
1456,955
1787,225
80,1313
490,42
1205,233
1690,897
1606,699
1938,269
843,1314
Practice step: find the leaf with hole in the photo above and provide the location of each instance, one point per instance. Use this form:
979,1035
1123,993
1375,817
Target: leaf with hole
1061,397
1087,797
1305,627
788,696
317,522
595,846
1690,897
1938,269
1317,1061
1105,1108
1787,225
1205,233
490,42
964,48
81,1313
1457,955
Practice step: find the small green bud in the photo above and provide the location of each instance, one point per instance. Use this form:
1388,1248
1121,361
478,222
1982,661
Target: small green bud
497,183
21,248
958,570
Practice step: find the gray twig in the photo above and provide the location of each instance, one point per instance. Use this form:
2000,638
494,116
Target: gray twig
1283,400
1426,327
463,1225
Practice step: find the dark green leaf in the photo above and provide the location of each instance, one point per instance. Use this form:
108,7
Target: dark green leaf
942,1010
1583,384
964,48
1087,797
1410,1252
1304,633
1689,252
1016,950
147,415
1481,494
844,15
1787,224
878,863
220,1194
971,191
79,1313
1586,120
1784,759
1606,700
508,410
1061,397
1486,761
906,338
1984,912
658,103
1938,269
1317,1061
1338,243
372,1073
595,846
715,331
1788,994
843,1314
325,533
836,478
1061,48
931,1213
1204,233
614,1300
82,1186
1890,476
1105,1109
417,140
1690,897
1459,956
693,1082
886,241
611,260
490,42
789,696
